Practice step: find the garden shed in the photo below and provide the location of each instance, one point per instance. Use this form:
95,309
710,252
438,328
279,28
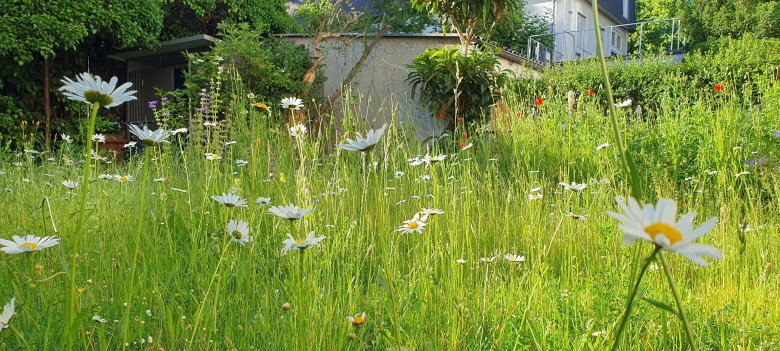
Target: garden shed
162,68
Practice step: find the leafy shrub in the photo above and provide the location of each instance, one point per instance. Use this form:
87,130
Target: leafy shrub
451,84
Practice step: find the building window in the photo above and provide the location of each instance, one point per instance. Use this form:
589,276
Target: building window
617,42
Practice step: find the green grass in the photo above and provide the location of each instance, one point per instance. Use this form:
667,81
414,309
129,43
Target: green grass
567,295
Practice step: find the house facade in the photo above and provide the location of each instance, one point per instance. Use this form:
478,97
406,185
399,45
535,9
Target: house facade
572,33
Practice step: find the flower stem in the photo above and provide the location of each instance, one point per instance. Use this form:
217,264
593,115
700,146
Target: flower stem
129,297
71,311
636,191
683,317
632,296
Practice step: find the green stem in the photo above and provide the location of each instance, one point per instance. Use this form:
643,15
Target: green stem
631,297
686,323
627,166
199,312
70,313
139,229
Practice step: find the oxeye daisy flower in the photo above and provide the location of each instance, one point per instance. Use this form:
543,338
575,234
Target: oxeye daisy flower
425,212
358,319
575,216
149,137
414,225
625,103
298,131
535,196
487,259
230,200
93,90
241,163
294,244
212,157
292,103
123,178
263,201
289,212
514,258
239,230
602,146
361,144
30,243
70,184
130,145
657,224
100,138
66,138
574,186
8,312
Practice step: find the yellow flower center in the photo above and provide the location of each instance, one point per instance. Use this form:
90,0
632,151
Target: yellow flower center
668,231
299,241
237,234
123,178
28,246
97,97
413,225
359,320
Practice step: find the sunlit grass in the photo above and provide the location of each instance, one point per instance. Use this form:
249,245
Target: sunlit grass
196,289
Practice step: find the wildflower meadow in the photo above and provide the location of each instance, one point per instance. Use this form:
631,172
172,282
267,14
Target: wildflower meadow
572,221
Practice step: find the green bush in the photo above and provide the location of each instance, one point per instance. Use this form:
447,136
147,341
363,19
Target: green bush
452,85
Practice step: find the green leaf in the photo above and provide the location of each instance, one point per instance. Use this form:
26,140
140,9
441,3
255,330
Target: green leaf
662,306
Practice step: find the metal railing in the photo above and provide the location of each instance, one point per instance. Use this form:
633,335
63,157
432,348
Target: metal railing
573,44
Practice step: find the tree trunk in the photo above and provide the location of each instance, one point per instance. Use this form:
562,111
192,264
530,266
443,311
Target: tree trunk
46,103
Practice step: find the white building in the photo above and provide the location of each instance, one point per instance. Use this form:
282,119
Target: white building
572,34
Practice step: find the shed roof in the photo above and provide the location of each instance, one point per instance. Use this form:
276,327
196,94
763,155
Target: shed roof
195,42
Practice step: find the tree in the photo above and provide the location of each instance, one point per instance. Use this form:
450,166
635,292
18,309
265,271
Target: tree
37,31
711,19
469,18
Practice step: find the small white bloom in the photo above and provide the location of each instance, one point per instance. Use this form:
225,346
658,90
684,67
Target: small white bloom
625,103
212,157
98,319
298,131
66,138
414,225
70,184
289,212
292,103
30,243
89,89
8,312
130,145
361,144
292,244
574,186
241,163
602,146
239,230
487,259
230,200
425,212
399,174
461,260
123,178
148,137
740,174
514,258
100,138
263,201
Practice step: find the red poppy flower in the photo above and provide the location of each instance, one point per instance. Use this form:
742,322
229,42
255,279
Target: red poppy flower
465,136
519,115
719,87
460,119
591,92
462,144
441,116
538,101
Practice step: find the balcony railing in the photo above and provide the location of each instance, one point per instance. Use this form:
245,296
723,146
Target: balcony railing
575,44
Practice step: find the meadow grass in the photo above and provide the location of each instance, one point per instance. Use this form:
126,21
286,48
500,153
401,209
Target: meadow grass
195,289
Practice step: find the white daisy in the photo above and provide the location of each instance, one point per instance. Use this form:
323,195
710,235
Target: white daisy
358,319
466,147
123,178
535,196
414,225
70,184
461,260
100,138
292,244
239,230
514,258
425,212
149,137
263,201
130,145
30,243
91,90
625,103
178,131
740,174
487,259
574,186
230,200
212,157
209,124
575,216
399,174
292,103
298,131
241,163
8,312
106,176
361,144
160,180
66,138
602,146
98,319
289,212
657,224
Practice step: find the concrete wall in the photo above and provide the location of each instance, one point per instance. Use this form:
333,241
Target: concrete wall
379,93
